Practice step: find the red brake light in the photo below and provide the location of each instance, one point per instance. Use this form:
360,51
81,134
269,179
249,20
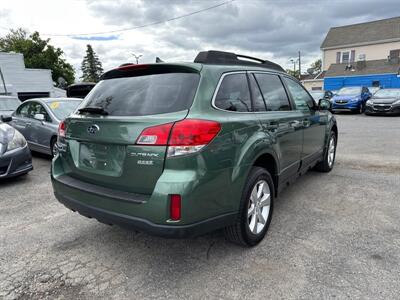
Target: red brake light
175,207
183,137
192,132
61,129
133,67
156,135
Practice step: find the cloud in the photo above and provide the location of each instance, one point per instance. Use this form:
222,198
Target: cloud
270,29
96,38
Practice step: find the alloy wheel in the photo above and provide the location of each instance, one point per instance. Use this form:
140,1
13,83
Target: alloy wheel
259,207
331,151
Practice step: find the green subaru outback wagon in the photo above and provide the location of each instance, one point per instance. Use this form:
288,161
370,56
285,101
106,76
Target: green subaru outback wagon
181,149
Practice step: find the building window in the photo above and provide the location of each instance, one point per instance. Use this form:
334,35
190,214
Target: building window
345,57
352,55
338,54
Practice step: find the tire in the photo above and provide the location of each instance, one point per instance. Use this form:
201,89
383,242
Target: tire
53,146
326,165
254,216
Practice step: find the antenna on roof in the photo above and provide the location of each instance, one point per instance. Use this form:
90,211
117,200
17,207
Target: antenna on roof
228,58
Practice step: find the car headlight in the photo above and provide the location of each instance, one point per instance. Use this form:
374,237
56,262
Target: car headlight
355,100
370,102
17,141
396,102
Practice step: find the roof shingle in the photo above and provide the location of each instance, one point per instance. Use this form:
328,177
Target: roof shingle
379,66
375,31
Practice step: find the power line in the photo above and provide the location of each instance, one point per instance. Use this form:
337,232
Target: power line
141,26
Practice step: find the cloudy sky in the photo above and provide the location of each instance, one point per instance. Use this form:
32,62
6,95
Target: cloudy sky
270,29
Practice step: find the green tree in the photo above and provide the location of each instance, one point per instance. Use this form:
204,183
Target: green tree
91,66
293,73
38,53
316,66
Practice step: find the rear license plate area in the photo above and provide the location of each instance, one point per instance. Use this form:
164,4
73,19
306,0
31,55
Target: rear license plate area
101,159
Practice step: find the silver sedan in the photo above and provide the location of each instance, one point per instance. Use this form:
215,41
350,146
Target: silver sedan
38,119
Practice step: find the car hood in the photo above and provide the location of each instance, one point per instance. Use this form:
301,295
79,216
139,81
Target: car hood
384,100
346,97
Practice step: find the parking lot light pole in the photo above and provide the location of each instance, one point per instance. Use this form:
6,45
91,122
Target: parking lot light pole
4,83
137,57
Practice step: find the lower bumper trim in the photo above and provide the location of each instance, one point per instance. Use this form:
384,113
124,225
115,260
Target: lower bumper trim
171,231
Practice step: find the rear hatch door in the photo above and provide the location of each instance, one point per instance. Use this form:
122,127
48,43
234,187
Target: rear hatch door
101,145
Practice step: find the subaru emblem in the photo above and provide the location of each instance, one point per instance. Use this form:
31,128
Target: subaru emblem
93,129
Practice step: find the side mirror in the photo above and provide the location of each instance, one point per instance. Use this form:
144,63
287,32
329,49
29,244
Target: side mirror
324,104
6,119
39,117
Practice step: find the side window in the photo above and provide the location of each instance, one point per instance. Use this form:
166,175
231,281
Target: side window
258,100
43,111
234,94
273,91
23,110
300,97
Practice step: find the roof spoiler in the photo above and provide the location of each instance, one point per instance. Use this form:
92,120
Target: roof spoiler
214,57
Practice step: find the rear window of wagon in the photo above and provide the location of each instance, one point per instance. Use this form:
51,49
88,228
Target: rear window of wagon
144,95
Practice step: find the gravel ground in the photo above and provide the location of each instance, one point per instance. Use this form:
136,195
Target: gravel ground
332,235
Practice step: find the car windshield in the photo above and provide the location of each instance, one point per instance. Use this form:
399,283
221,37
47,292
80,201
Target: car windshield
387,93
9,103
144,95
64,108
349,91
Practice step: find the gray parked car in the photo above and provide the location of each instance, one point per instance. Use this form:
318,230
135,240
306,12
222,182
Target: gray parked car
38,119
8,104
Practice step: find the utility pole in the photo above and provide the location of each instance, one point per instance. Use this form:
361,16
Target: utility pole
4,83
137,57
294,61
299,65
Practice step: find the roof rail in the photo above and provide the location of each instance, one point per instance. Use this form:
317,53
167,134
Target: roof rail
228,58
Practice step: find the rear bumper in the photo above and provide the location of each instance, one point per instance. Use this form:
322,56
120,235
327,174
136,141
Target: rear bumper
15,163
171,231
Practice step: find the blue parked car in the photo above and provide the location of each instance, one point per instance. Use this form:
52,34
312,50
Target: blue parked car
351,99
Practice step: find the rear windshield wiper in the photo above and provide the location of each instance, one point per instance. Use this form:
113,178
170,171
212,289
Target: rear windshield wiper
93,110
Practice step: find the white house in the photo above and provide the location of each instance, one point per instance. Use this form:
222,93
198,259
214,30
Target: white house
25,83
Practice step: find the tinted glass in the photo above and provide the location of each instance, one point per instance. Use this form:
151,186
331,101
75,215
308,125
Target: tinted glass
30,109
300,97
63,109
9,103
144,95
273,91
23,110
233,94
258,100
387,94
349,91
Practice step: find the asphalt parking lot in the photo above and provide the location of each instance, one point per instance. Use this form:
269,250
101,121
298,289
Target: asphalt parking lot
333,235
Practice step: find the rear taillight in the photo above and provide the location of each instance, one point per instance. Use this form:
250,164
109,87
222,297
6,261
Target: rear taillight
190,135
175,206
156,135
61,129
183,137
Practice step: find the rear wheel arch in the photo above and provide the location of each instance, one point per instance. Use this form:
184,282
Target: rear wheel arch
335,130
268,162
